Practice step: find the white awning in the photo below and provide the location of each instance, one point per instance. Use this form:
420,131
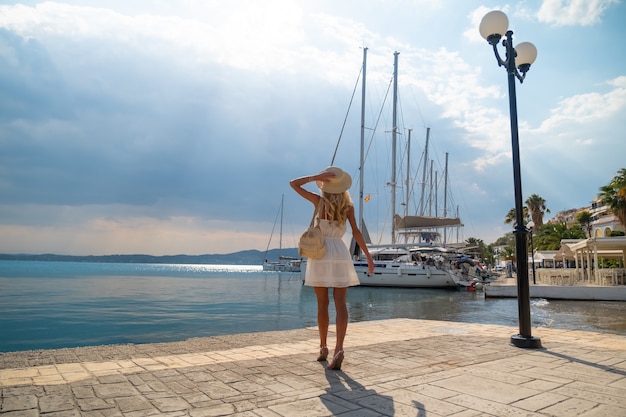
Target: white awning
614,247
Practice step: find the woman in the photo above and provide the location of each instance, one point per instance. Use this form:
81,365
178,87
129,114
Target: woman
335,269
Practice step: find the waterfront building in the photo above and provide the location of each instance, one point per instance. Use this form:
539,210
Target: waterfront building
603,220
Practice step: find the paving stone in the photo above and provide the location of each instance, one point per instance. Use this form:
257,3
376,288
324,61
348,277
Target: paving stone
217,390
146,413
493,408
115,390
110,412
487,389
83,392
219,410
265,412
420,401
570,407
361,412
170,404
469,413
137,403
93,404
64,413
604,411
199,376
112,379
19,403
245,414
178,387
312,407
22,413
54,403
540,401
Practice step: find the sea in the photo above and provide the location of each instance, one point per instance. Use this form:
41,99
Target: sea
50,305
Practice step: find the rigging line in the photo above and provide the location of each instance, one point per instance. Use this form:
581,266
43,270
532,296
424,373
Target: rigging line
412,180
410,185
441,167
380,114
373,129
272,234
416,180
382,106
419,110
403,158
343,126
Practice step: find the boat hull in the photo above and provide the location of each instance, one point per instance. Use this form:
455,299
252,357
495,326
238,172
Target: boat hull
282,267
404,275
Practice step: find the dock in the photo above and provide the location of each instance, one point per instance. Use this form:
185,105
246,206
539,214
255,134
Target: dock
507,288
560,292
397,367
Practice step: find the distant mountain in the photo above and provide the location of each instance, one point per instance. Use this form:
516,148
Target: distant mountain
246,257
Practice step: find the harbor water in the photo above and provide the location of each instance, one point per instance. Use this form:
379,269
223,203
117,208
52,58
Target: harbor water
47,305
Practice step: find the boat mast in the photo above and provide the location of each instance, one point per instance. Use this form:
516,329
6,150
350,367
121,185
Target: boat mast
424,172
394,133
430,191
280,242
445,189
362,160
457,229
408,174
445,200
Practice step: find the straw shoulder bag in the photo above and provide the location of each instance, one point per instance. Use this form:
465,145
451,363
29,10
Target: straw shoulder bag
311,244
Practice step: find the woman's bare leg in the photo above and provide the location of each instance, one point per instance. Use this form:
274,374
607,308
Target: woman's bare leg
322,313
339,295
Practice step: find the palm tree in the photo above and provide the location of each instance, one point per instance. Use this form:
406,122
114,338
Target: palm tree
584,219
549,236
537,208
474,242
511,216
508,252
478,247
614,195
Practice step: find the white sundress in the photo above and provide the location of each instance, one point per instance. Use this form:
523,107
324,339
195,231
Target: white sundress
335,269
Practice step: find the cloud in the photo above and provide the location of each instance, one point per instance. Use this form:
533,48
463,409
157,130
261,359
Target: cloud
471,33
190,117
588,109
78,231
104,111
573,12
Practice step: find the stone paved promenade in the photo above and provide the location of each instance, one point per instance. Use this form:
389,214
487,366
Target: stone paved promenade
397,367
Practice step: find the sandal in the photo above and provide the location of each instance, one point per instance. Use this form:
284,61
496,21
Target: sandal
335,364
323,354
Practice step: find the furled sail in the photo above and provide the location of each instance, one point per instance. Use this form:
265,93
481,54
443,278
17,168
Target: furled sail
412,222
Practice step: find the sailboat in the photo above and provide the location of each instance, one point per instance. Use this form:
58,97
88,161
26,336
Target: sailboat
426,261
284,263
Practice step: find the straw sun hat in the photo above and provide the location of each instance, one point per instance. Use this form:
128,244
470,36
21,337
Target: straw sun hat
337,185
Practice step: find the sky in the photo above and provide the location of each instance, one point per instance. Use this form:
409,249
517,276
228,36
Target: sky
174,127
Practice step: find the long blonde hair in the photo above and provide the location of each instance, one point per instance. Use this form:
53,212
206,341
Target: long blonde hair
336,206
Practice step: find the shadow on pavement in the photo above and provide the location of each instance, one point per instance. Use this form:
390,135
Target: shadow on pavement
342,388
584,362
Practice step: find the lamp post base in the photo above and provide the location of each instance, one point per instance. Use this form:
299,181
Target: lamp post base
531,342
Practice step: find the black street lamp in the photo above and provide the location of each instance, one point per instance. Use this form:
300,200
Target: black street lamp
531,231
493,25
